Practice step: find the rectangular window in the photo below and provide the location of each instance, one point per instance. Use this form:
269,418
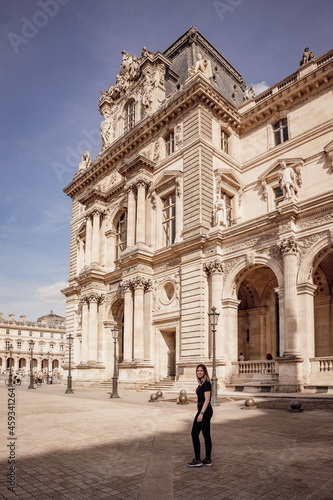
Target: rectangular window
130,115
19,332
41,334
169,219
281,131
61,348
170,143
7,344
41,347
19,345
278,196
121,235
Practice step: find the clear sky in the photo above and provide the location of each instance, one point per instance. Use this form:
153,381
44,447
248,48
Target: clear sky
56,56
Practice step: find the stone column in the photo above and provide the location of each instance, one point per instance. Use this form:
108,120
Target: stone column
87,260
128,322
95,237
148,301
85,330
179,210
139,284
214,271
110,248
141,212
288,248
93,328
131,217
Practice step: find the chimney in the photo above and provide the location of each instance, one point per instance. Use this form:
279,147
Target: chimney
1,317
11,317
23,318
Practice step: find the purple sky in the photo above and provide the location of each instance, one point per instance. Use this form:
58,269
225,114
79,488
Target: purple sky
56,56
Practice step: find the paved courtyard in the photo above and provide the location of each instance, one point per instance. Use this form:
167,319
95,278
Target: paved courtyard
88,446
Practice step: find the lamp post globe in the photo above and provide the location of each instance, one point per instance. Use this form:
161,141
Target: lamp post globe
115,333
69,389
31,349
213,319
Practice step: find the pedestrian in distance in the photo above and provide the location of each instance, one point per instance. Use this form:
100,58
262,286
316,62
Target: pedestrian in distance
202,419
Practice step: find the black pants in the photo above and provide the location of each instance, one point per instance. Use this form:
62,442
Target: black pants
204,427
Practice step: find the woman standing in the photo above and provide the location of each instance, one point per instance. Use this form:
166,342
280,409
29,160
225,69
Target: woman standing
202,419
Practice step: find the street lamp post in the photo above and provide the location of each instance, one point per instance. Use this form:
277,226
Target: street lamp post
69,389
10,382
213,318
114,393
31,349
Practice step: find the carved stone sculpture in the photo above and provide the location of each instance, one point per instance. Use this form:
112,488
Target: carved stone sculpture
307,56
179,136
156,155
249,93
202,65
106,127
86,161
287,179
220,216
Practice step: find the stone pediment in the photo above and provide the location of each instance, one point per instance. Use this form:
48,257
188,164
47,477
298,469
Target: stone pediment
165,178
228,176
271,172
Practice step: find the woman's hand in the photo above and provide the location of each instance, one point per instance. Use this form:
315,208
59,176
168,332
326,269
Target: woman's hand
199,417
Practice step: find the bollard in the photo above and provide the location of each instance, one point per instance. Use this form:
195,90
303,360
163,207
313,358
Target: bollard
249,404
153,398
295,406
159,394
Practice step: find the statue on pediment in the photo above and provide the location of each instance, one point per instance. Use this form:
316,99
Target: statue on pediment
307,56
147,96
249,93
202,65
145,52
86,161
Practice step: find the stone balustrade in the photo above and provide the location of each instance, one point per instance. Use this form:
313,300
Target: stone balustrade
259,367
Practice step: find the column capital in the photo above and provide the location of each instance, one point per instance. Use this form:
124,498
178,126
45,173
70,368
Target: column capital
288,246
94,297
139,282
213,267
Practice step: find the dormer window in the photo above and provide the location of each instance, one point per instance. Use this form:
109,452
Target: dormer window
280,130
170,143
224,141
130,114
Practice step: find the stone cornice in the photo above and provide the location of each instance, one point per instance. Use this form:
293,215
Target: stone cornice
286,93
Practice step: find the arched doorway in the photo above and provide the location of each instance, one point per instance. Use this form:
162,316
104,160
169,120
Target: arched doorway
323,306
44,364
22,364
10,363
258,314
55,364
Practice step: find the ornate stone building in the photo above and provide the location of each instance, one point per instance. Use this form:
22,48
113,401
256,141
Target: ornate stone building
203,195
49,335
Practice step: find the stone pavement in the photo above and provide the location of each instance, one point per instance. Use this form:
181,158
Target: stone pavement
88,446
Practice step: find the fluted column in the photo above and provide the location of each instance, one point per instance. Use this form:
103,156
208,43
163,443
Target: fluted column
87,260
95,236
93,327
131,217
85,330
128,321
214,271
141,212
288,248
139,286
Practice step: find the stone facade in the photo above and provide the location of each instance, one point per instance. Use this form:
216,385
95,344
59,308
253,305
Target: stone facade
49,335
206,195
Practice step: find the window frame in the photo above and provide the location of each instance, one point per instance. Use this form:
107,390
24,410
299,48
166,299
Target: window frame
279,128
169,223
130,118
169,143
119,242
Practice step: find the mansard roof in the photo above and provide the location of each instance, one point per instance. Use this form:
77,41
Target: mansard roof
182,54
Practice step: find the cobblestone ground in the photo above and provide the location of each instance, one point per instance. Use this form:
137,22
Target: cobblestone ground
87,445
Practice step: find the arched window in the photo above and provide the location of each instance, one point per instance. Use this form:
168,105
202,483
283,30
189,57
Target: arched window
170,143
224,141
280,130
130,115
121,234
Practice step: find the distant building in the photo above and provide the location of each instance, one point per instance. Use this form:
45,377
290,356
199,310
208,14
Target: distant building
203,195
48,334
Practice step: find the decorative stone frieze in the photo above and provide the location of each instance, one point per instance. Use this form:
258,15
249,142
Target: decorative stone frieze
229,264
316,222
